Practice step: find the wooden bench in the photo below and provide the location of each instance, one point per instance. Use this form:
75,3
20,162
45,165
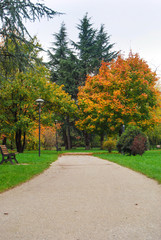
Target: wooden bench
6,156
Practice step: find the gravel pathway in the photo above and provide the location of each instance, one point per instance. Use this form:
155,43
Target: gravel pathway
82,198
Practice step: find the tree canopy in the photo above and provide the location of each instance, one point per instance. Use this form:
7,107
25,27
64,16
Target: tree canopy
18,109
123,92
13,13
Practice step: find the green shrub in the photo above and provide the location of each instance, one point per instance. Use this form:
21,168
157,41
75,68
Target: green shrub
32,144
109,145
127,145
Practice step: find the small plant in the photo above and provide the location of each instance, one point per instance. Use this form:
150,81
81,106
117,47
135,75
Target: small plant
109,145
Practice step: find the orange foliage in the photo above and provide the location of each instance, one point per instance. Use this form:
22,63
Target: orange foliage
123,92
52,129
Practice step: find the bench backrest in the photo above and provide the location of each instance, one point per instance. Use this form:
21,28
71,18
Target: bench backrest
4,149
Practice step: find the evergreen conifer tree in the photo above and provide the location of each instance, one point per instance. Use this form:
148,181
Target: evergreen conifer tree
63,63
103,49
93,46
13,13
85,48
64,71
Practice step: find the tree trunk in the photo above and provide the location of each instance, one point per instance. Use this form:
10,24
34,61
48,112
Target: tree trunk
24,141
101,140
65,139
68,134
20,142
87,140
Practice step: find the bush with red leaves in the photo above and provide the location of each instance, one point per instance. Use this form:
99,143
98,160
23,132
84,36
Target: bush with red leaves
139,145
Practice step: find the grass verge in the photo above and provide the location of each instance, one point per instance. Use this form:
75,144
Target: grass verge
13,175
149,163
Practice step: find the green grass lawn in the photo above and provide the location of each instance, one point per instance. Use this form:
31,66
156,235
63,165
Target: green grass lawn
12,175
149,163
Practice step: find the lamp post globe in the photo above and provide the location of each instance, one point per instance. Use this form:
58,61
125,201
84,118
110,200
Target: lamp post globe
39,101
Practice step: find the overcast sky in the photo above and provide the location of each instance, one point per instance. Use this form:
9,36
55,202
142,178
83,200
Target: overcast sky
132,24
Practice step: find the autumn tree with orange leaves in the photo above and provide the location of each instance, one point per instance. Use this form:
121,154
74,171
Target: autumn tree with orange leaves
123,92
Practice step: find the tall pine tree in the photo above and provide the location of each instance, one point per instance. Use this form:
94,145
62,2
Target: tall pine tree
103,49
64,71
85,48
92,47
63,63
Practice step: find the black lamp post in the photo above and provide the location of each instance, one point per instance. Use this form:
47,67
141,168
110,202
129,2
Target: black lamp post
56,135
39,102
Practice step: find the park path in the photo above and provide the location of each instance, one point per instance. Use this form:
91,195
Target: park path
82,198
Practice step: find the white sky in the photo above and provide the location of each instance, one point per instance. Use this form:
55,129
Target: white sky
132,24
